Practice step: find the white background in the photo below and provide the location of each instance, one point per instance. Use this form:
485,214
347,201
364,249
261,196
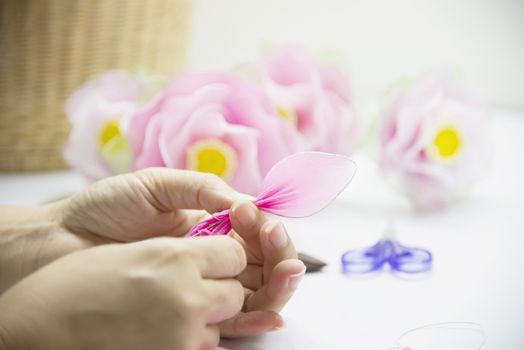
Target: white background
380,41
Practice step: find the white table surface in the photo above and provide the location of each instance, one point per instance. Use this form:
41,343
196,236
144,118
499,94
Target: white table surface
478,272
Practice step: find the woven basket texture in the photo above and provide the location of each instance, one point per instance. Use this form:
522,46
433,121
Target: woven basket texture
48,48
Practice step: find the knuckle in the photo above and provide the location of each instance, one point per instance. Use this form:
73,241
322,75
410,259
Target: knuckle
238,294
237,253
210,180
238,324
223,296
268,226
172,248
206,183
148,293
143,176
185,254
144,282
190,305
197,187
148,172
166,252
157,246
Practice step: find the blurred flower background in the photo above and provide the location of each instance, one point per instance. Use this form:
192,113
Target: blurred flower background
234,125
246,102
409,84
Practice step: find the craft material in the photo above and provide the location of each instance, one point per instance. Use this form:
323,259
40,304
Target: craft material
299,185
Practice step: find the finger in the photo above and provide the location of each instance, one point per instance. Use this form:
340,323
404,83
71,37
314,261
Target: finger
251,277
247,221
282,283
210,338
172,223
276,246
253,254
181,189
225,297
218,257
250,324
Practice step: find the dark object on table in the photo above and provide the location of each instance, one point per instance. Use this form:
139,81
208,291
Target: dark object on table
312,264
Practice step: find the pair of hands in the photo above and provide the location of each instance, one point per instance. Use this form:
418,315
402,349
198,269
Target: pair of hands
160,293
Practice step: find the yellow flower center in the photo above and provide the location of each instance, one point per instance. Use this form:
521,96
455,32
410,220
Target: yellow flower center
109,131
447,142
114,148
212,156
287,114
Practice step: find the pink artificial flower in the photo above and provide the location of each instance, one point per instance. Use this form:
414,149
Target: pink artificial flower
312,97
212,122
432,138
96,145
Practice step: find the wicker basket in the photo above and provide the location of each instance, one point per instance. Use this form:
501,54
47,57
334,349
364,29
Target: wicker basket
49,47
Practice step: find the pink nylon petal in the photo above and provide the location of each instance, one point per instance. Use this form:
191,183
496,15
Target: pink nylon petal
217,224
304,183
299,185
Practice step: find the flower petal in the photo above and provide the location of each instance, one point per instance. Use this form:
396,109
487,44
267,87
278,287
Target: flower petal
304,183
207,123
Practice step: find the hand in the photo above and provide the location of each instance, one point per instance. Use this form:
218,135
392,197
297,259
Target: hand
124,208
163,293
165,202
147,203
271,276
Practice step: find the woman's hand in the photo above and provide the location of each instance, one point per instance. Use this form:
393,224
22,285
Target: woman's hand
163,293
156,202
163,202
125,208
147,203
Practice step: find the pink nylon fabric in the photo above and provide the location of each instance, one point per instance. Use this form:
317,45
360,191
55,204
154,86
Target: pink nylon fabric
299,185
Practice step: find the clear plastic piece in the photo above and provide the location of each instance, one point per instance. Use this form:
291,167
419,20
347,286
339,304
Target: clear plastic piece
443,336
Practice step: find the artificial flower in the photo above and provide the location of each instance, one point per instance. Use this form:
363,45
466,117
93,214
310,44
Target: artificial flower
97,145
212,122
433,140
312,97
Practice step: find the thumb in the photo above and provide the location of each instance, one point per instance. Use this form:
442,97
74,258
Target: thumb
182,189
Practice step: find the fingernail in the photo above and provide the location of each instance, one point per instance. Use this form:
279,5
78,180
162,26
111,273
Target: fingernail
245,214
294,281
276,328
278,236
